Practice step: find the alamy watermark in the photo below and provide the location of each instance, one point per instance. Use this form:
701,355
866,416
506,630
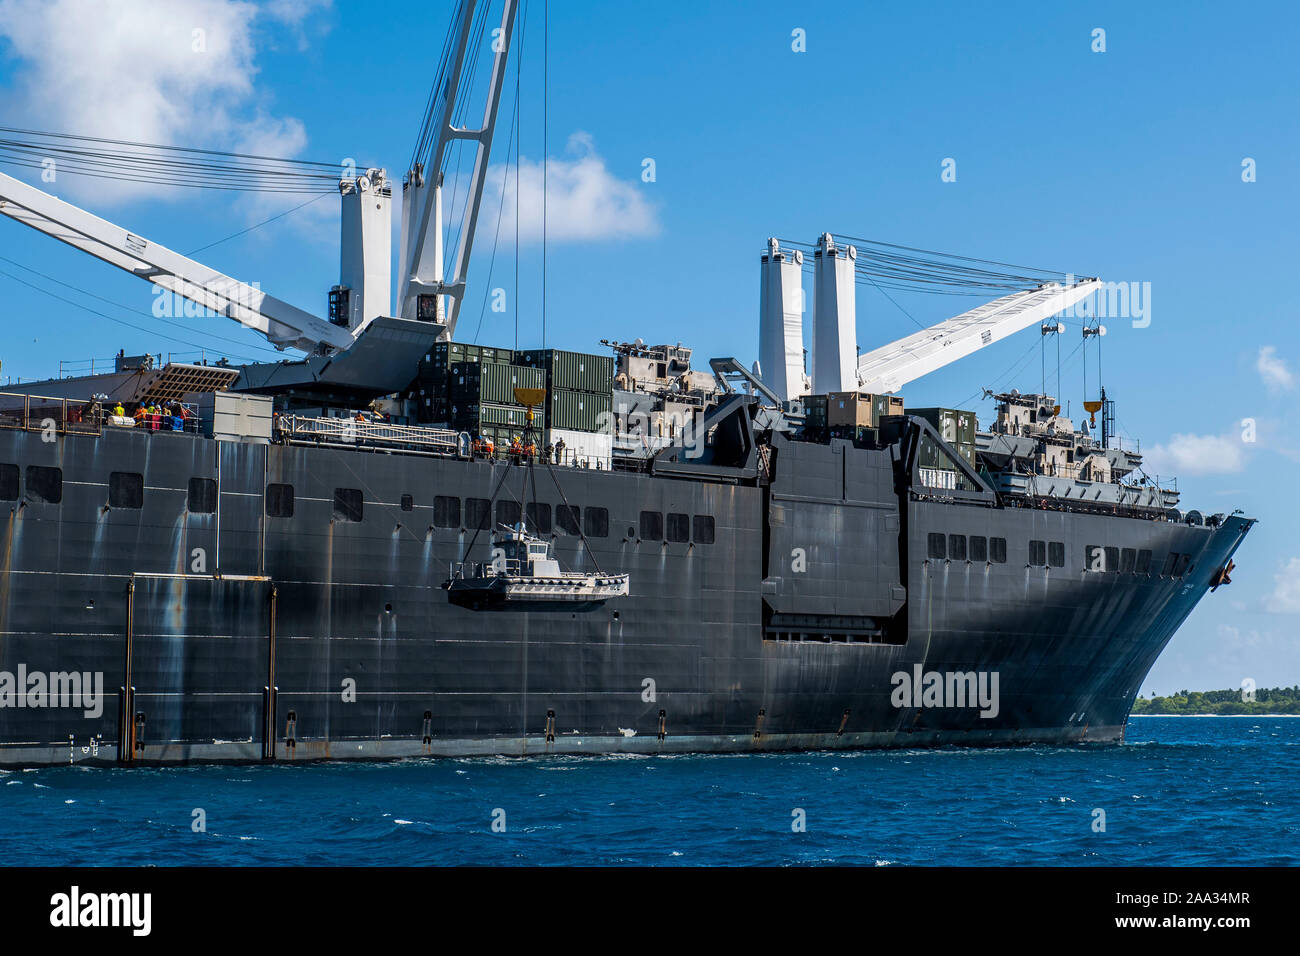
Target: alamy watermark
1113,300
126,910
53,689
189,300
922,688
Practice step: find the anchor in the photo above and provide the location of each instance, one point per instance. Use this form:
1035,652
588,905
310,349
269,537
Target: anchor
1221,576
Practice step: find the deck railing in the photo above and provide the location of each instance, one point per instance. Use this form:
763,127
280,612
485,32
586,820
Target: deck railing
41,413
75,416
349,431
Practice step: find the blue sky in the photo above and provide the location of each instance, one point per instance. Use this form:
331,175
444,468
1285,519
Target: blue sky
1125,163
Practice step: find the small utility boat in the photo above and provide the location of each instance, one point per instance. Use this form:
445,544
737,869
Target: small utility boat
524,573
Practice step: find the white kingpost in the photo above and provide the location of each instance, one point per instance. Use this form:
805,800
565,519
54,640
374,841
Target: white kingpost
365,247
835,334
423,265
780,323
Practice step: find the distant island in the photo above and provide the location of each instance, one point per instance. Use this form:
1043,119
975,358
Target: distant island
1268,700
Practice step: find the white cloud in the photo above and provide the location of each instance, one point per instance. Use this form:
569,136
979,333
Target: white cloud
1196,455
293,12
1285,598
1273,370
171,72
584,200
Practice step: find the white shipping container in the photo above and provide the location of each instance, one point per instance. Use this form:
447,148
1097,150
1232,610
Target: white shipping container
585,449
239,417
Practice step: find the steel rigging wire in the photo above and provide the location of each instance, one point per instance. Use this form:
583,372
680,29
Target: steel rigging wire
930,271
505,176
161,165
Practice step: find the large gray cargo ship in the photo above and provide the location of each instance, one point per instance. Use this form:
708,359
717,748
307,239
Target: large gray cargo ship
284,600
382,550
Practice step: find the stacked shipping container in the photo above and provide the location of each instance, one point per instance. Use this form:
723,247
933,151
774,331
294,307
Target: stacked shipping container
854,415
955,427
579,387
483,394
431,388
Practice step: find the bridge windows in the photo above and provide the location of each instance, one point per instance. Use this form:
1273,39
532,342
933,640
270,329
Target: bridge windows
957,547
279,501
1098,558
125,490
44,485
936,546
509,513
446,512
595,522
478,514
539,517
201,498
679,528
704,531
8,482
567,519
1123,560
348,504
1044,554
652,526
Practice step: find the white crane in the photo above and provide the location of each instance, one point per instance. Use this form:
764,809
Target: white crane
889,368
424,292
360,303
283,324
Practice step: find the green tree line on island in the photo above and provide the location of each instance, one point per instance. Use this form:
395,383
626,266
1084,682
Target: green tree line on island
1268,700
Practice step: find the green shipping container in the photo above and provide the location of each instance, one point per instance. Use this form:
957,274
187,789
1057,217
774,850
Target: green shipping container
437,362
475,383
445,354
483,414
815,410
488,420
579,411
884,406
577,371
929,455
955,427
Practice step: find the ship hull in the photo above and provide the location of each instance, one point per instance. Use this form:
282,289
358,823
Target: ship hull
238,636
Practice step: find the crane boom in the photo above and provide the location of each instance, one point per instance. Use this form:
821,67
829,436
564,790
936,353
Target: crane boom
284,325
889,368
422,252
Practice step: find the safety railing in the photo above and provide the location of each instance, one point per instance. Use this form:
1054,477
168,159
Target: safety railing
72,416
349,431
563,458
58,415
163,420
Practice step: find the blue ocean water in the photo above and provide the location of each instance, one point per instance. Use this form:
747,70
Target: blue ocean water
1183,790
